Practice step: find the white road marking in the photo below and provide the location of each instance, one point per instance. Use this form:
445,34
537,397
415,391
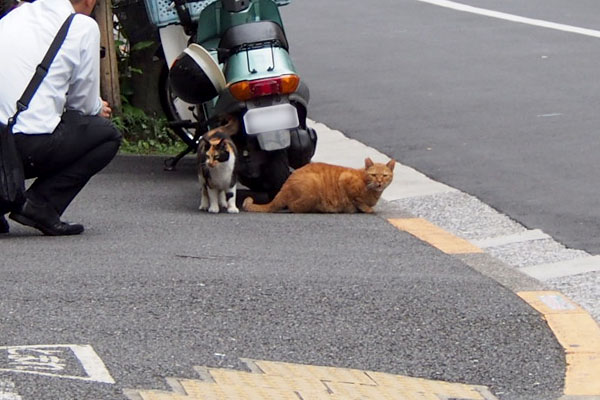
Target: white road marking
53,360
92,364
545,272
520,237
514,18
7,390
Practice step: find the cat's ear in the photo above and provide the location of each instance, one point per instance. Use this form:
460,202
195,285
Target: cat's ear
368,162
390,164
203,145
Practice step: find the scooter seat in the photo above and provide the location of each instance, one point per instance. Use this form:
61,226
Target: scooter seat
250,33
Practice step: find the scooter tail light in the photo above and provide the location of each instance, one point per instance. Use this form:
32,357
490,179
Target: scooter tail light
246,90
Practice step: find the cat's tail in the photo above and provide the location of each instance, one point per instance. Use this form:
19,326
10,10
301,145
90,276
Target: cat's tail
232,125
273,206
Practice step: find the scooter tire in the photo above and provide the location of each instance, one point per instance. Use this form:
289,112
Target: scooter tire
274,173
277,172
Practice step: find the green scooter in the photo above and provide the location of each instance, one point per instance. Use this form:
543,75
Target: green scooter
237,62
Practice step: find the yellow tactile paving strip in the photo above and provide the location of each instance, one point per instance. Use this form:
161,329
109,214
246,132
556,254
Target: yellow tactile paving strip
578,334
435,236
285,381
314,372
573,327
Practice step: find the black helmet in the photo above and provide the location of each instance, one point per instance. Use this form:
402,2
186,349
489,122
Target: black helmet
195,77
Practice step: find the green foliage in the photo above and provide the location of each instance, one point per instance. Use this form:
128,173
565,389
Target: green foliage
126,70
144,134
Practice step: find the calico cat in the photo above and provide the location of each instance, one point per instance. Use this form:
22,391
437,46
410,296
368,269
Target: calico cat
216,168
326,188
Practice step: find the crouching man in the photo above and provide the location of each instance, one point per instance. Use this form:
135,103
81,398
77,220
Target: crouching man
65,136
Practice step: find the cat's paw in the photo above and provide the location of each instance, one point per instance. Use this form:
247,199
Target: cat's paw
213,209
248,201
203,205
233,210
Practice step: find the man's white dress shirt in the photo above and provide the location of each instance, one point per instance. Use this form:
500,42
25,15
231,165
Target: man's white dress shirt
73,80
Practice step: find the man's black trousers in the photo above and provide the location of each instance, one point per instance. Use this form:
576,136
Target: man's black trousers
65,160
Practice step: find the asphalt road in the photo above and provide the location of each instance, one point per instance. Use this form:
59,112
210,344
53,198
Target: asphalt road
500,110
504,111
156,287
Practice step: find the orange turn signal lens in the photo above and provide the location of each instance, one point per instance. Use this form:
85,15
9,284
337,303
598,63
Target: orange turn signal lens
289,83
241,90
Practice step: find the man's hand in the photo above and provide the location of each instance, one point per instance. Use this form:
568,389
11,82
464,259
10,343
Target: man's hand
106,111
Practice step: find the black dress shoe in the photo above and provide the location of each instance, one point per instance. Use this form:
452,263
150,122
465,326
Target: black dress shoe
43,218
3,225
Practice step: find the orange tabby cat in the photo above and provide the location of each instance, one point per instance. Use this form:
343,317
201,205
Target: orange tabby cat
320,187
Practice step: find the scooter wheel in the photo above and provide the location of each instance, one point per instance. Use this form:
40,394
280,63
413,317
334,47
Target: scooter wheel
276,172
273,175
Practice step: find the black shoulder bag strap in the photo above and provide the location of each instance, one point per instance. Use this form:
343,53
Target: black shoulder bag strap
41,71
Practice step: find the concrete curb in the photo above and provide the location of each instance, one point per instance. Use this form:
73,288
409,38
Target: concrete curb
452,221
